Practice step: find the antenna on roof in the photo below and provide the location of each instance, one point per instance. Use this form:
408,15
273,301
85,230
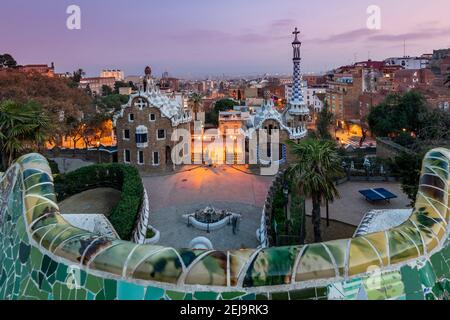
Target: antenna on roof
404,48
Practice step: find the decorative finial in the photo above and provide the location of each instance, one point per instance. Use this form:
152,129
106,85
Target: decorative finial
296,33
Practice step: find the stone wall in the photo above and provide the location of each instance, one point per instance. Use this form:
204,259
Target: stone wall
387,149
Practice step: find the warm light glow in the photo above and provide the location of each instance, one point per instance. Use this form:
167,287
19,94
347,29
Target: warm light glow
103,137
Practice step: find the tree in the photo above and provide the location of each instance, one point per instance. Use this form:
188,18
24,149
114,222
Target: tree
212,117
78,75
7,61
111,102
106,90
397,113
23,126
316,166
407,168
59,100
224,105
121,84
196,100
325,120
95,128
75,129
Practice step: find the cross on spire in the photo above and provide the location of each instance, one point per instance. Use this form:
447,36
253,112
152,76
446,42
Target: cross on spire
296,32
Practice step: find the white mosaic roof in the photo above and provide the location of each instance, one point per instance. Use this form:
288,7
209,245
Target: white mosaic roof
268,112
170,107
381,220
95,223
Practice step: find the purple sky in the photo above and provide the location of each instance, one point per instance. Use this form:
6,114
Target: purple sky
192,38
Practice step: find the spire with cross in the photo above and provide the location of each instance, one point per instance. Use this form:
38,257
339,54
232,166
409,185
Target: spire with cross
296,33
296,98
296,44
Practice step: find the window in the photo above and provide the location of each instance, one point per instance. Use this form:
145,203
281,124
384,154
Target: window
152,117
156,158
127,156
131,117
161,134
140,157
126,134
141,138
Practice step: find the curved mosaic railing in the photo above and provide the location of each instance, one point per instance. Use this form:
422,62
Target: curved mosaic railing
44,257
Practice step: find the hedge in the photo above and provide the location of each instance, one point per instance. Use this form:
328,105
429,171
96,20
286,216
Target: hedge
118,176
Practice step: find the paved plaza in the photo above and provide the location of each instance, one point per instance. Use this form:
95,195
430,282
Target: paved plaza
352,206
171,196
224,187
221,183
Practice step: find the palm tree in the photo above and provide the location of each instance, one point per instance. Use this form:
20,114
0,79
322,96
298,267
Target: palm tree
22,126
195,99
317,164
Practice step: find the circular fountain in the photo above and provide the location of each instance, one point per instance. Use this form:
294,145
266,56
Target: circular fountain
210,219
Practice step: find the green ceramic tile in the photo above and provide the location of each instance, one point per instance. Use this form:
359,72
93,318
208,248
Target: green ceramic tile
206,295
129,291
232,295
411,280
175,295
153,293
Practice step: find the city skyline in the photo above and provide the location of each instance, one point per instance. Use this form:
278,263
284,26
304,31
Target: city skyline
196,39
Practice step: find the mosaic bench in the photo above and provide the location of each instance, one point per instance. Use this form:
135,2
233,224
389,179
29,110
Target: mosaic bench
43,257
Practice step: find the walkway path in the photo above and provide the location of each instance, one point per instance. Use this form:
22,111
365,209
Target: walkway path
100,200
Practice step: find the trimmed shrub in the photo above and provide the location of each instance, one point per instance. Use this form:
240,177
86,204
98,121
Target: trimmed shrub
118,176
53,166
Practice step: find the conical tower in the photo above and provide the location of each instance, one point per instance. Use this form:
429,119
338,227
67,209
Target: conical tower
297,108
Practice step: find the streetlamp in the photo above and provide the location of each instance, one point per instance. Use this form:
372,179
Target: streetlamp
98,152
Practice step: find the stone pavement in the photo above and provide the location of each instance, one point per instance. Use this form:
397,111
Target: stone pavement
100,200
352,206
176,233
223,187
220,183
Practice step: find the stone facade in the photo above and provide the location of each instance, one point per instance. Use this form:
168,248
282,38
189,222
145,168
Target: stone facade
162,144
144,127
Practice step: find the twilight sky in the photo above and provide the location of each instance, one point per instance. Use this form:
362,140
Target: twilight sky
193,38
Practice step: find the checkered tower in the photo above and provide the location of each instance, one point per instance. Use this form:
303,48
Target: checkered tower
297,104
